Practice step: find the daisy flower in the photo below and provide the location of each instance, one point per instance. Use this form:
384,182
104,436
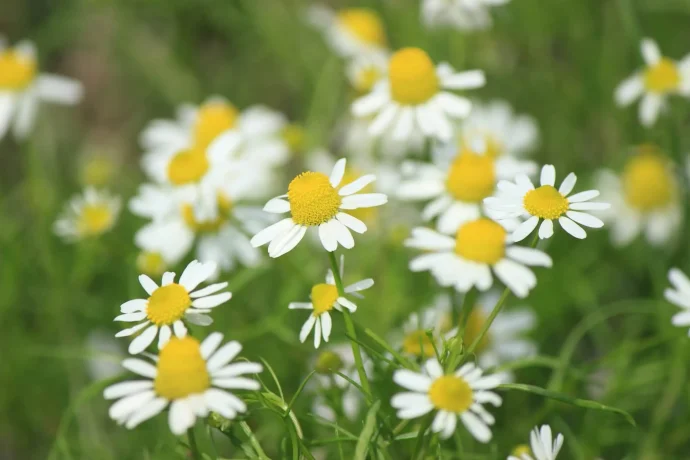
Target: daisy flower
413,97
22,88
350,31
324,298
521,199
467,260
679,295
459,14
645,198
191,378
436,318
543,446
316,200
365,70
458,395
661,78
171,303
459,179
354,138
151,263
88,215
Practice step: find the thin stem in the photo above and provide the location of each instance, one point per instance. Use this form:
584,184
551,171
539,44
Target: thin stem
253,441
192,444
464,313
350,328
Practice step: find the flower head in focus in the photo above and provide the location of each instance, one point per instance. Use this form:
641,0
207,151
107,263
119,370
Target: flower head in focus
88,215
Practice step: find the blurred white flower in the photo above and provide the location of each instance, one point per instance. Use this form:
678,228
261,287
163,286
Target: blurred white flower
105,355
88,215
365,70
350,31
679,295
436,319
459,14
543,446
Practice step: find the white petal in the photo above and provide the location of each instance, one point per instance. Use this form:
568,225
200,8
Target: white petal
433,368
236,383
289,243
474,425
363,200
317,333
129,317
454,105
181,417
567,184
147,411
326,326
59,90
351,222
357,185
338,172
546,229
210,344
164,336
548,175
180,329
306,328
199,319
383,120
404,125
223,356
630,89
328,237
585,219
300,306
650,51
369,104
7,107
271,232
342,234
168,278
196,273
359,286
347,304
212,300
529,256
465,80
208,290
121,389
142,341
25,114
148,284
524,229
583,196
277,206
129,404
132,330
572,228
140,367
412,380
649,108
235,369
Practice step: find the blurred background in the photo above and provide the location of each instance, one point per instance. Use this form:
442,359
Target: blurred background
601,310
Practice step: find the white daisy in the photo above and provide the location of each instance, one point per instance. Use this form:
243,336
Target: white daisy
436,318
88,215
679,295
458,395
543,446
365,70
645,198
467,260
324,298
191,378
350,31
660,78
171,303
151,263
459,14
413,97
521,199
354,138
457,182
22,88
316,200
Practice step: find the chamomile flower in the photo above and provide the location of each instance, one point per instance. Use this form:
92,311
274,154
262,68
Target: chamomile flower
171,303
457,395
365,70
459,14
88,215
466,260
191,378
151,263
414,97
350,31
436,319
22,88
459,179
325,298
316,200
660,78
645,199
543,446
546,203
679,295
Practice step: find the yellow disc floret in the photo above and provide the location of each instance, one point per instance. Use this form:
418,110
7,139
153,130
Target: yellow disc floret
213,119
522,449
364,24
294,136
188,166
151,263
648,183
418,343
16,71
328,362
412,76
323,297
211,225
168,304
545,202
481,240
471,177
181,369
662,77
451,393
473,328
313,200
95,219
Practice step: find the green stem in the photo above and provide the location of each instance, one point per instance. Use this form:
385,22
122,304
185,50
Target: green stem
350,328
463,315
253,441
192,444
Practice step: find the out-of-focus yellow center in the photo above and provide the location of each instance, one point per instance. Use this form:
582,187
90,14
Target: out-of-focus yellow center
481,240
213,119
95,219
522,449
367,78
662,77
648,183
451,393
471,177
474,325
211,225
16,71
181,369
412,76
364,24
313,200
294,136
417,343
545,202
328,362
188,166
151,263
97,171
167,304
323,297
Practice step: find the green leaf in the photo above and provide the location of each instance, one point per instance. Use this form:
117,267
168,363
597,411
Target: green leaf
299,391
367,432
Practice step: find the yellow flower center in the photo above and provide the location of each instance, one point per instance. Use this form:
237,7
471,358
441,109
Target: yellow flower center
647,182
323,297
151,263
328,362
212,119
545,202
313,200
167,304
294,136
473,327
97,171
208,226
364,24
412,76
481,240
451,393
16,71
95,219
188,166
417,343
471,177
522,449
662,77
181,369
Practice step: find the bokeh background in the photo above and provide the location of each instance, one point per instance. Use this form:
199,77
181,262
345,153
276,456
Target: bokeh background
603,322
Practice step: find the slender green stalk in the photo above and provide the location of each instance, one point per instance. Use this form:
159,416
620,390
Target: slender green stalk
192,445
350,328
253,441
462,316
